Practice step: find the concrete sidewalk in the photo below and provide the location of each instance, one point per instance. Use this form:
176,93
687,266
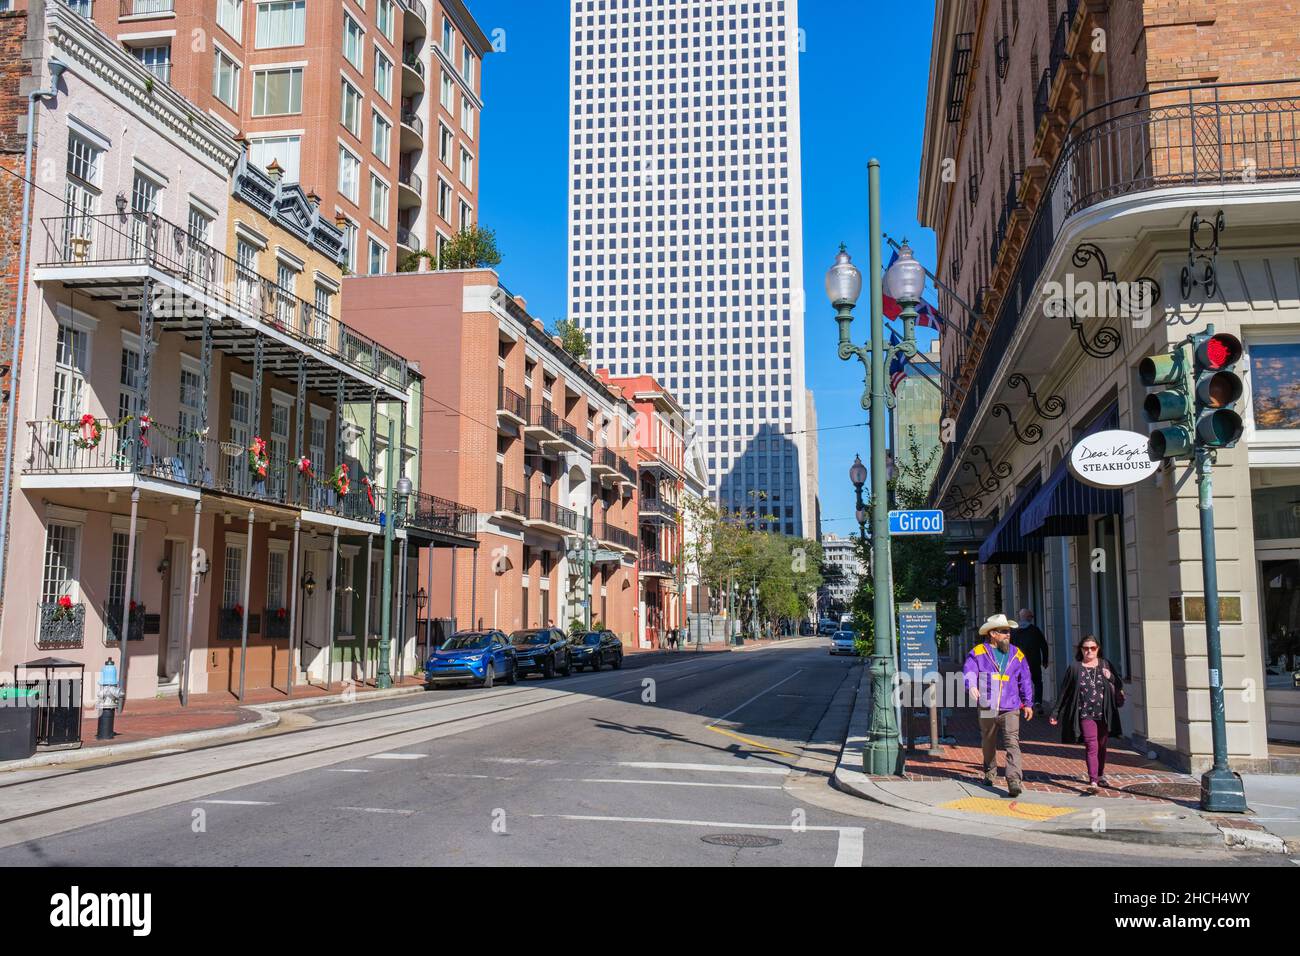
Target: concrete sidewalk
951,787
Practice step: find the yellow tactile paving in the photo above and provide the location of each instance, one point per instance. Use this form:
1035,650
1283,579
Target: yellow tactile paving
1020,809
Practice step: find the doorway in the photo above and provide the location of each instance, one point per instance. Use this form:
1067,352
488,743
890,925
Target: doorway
312,639
1279,598
178,584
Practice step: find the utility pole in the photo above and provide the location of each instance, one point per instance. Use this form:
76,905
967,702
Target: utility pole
586,566
383,678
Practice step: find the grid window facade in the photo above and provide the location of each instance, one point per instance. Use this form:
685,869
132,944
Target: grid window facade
685,221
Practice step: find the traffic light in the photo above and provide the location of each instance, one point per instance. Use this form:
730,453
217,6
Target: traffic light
1218,387
1171,407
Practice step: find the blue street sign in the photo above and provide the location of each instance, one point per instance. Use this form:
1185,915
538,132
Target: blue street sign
915,522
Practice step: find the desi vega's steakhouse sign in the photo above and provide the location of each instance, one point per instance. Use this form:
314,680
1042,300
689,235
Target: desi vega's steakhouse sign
1112,459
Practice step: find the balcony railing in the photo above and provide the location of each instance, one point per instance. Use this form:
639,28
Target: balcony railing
657,507
431,513
413,121
61,626
277,623
113,622
418,9
543,416
512,502
619,536
412,62
411,179
544,509
404,238
135,8
651,563
626,470
1194,136
512,403
133,239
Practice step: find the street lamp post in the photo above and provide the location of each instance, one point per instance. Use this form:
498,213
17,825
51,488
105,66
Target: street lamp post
882,755
383,678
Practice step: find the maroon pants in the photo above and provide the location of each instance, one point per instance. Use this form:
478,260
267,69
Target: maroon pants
1094,739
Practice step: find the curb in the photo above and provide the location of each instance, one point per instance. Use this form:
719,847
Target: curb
270,717
1254,840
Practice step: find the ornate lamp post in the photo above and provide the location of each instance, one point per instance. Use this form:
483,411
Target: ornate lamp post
843,286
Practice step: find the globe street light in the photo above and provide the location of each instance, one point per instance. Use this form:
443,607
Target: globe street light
882,755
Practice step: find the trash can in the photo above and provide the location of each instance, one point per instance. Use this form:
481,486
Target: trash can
18,722
58,715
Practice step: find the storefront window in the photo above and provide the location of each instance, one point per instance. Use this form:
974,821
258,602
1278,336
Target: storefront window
1275,391
1277,512
1280,584
1108,574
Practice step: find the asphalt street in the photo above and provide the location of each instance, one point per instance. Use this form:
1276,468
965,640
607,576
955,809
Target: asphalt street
708,759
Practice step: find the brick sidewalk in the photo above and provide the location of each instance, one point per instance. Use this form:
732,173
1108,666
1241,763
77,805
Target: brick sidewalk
1049,765
163,716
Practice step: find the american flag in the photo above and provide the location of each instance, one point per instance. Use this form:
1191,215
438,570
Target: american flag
898,367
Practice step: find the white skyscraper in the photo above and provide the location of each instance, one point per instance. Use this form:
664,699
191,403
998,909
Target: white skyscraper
685,225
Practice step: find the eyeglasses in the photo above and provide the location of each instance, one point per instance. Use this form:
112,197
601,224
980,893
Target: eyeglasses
1090,647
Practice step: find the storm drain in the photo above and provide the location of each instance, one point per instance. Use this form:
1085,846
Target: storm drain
1166,790
741,840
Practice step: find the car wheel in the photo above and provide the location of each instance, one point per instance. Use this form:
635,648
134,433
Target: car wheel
548,667
618,661
512,675
567,669
489,676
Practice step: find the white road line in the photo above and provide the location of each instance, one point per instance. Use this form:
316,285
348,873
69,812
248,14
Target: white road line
755,697
470,776
689,823
850,848
397,756
345,770
1275,806
707,767
404,813
529,761
682,783
240,803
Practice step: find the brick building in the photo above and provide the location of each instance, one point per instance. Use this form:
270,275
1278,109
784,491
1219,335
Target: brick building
1091,146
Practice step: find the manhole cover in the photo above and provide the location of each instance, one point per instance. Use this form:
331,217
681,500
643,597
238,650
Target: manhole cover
741,840
1170,790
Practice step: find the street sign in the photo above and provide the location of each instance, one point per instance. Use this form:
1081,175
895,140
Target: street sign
915,522
918,652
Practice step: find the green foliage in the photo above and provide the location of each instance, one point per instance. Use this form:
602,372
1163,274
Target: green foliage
576,627
773,576
411,263
572,339
920,563
472,248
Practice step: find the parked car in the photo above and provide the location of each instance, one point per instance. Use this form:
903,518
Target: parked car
594,649
825,626
544,650
472,656
842,642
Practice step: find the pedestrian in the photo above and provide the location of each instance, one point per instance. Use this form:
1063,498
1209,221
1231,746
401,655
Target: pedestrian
1031,640
1087,707
998,682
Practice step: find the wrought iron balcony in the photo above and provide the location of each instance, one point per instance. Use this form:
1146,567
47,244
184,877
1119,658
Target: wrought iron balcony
1173,138
657,508
652,565
411,179
957,80
431,513
546,511
200,277
512,502
619,537
511,403
61,626
113,622
543,418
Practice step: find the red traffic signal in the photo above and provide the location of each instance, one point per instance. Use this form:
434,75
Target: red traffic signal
1217,351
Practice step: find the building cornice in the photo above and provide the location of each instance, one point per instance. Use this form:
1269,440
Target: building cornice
95,59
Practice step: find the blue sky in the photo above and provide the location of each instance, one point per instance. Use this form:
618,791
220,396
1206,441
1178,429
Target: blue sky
863,86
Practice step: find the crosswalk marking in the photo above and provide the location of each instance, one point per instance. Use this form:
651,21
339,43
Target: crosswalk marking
396,756
705,767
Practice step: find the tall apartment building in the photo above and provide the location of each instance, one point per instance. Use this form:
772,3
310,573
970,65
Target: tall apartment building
372,105
843,567
1095,148
685,226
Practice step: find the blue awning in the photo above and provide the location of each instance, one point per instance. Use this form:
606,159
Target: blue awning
1064,504
1005,544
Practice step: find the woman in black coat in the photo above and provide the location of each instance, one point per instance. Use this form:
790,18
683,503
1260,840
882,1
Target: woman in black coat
1087,707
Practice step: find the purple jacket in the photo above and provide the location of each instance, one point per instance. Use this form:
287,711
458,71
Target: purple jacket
1010,690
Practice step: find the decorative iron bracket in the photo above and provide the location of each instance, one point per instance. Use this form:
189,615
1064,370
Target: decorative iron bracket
1202,258
1033,432
1051,409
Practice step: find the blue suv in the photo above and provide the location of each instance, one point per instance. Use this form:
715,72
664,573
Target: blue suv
472,656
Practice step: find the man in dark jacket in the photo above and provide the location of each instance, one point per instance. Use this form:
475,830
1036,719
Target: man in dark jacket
1031,640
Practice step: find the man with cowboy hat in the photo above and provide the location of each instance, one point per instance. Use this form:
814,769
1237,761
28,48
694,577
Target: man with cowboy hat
998,681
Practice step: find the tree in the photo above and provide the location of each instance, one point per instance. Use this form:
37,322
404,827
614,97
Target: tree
471,248
572,339
920,563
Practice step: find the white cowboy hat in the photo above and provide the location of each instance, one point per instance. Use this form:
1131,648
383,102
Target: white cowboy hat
996,621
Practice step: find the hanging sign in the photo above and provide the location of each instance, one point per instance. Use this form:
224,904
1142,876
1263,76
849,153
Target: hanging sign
1112,459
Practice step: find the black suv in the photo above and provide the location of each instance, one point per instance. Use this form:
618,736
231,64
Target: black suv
595,649
544,650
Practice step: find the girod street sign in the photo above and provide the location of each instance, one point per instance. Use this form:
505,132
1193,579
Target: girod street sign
915,522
